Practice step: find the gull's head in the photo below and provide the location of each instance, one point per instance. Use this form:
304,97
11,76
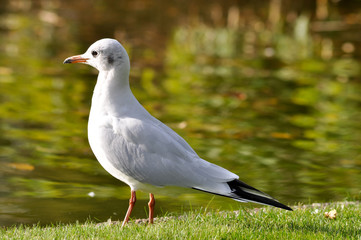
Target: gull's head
104,55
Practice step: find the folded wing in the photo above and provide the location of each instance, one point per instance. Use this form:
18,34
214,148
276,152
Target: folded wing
151,152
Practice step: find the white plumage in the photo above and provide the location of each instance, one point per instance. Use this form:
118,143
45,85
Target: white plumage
138,149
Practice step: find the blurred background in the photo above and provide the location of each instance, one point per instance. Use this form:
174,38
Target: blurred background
267,89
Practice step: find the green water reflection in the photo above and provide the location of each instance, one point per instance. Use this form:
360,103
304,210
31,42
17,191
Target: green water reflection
274,99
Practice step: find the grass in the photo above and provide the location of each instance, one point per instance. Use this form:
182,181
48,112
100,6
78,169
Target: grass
305,222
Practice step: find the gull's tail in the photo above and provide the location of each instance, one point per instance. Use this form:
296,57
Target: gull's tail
244,193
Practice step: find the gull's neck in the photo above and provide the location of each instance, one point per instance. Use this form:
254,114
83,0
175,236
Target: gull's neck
112,96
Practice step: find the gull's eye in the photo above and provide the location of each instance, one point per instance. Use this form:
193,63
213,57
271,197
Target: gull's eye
94,53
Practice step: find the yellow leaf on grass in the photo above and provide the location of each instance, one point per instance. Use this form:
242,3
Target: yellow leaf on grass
331,214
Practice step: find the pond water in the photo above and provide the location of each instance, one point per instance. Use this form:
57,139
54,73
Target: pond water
271,93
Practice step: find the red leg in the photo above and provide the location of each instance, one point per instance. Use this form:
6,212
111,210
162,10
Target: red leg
151,204
132,201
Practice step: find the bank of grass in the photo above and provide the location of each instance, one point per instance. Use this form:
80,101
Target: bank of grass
305,222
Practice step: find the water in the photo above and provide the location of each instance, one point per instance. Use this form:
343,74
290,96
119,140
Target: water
277,105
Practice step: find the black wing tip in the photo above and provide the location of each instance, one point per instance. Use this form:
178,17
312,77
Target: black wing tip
236,187
282,206
269,202
287,208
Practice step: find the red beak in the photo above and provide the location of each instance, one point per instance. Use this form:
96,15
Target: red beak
75,59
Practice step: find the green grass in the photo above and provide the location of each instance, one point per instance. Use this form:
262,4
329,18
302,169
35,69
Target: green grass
305,222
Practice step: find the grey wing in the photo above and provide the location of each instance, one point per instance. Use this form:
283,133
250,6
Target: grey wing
151,152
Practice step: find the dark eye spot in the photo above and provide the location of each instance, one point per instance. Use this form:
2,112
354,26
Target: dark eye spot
110,59
94,53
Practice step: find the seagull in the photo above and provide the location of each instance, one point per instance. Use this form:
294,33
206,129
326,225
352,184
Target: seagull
141,151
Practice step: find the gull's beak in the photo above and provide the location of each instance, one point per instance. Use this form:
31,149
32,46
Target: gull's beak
76,59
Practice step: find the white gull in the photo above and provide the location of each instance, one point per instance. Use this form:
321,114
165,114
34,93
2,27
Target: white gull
138,149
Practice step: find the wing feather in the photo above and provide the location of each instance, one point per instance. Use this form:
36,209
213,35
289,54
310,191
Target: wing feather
152,153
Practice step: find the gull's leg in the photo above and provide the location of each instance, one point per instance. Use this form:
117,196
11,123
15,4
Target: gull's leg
132,201
151,204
